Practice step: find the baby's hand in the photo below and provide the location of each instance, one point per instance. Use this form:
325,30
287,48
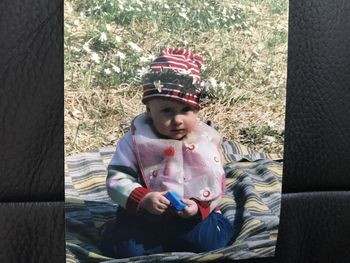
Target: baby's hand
190,210
155,203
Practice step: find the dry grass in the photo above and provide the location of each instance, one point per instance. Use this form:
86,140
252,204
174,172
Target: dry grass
251,61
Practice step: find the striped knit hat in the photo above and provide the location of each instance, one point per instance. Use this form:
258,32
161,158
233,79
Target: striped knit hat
174,75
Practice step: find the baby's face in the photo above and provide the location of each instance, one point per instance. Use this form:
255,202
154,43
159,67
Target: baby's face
172,119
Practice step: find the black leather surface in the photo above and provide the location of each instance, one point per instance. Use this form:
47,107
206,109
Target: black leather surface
31,100
317,138
314,225
32,232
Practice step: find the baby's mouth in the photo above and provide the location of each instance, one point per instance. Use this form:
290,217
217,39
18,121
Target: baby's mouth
177,130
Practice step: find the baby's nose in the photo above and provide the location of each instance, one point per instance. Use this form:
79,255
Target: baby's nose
178,119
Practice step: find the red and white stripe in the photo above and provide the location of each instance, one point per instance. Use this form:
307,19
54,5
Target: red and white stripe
179,60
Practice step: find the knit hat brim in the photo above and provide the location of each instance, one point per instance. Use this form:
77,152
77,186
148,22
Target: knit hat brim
174,75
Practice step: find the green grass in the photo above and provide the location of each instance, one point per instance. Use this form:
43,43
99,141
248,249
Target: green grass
108,43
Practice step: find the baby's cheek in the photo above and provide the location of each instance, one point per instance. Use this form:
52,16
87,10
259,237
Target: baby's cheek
159,124
165,125
192,125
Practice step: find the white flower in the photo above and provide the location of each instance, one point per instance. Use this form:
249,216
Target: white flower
157,85
222,85
144,59
108,27
147,58
151,57
271,124
269,138
86,47
213,82
166,6
115,68
107,71
135,47
95,57
205,85
184,15
103,37
143,71
121,55
118,39
140,3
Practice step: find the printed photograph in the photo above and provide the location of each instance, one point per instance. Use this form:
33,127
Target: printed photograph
174,129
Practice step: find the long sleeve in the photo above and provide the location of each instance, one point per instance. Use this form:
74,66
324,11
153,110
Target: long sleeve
123,184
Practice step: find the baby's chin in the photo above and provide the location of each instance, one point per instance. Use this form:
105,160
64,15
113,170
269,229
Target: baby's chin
178,137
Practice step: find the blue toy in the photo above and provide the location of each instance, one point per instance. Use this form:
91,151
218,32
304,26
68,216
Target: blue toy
175,201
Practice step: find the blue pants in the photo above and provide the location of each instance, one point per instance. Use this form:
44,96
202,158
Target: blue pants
135,236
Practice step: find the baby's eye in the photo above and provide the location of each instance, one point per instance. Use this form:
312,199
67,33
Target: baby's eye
166,110
187,109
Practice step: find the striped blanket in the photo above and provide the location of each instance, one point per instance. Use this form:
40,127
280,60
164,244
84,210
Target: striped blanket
251,202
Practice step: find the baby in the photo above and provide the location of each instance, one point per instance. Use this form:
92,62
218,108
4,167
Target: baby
167,149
